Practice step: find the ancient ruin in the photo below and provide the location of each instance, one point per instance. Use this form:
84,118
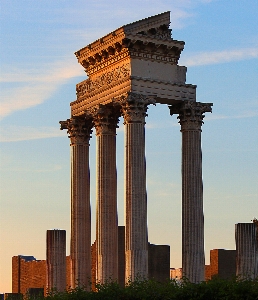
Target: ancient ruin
129,69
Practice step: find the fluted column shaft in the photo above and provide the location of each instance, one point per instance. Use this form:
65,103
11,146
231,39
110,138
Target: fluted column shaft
246,250
193,260
79,130
134,109
105,121
192,207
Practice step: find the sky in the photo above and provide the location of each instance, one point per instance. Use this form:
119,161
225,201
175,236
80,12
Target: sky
38,74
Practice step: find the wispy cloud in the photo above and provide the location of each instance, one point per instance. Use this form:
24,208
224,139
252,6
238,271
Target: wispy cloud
248,114
35,85
32,85
23,133
219,57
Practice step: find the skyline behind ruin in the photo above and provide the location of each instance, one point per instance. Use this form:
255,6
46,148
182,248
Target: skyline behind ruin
35,184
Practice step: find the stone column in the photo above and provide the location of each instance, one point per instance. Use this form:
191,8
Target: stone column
247,250
134,107
56,260
105,121
79,130
190,117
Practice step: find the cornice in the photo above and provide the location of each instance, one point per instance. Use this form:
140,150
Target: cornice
135,27
107,62
150,22
150,36
101,44
143,48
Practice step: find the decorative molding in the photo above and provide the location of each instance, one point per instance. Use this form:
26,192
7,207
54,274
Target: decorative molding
166,92
104,80
106,61
105,118
134,106
159,57
152,26
170,83
134,46
161,32
89,87
78,128
100,44
190,114
103,55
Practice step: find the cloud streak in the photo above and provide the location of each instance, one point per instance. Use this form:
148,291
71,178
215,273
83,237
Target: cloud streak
248,114
35,85
219,57
23,133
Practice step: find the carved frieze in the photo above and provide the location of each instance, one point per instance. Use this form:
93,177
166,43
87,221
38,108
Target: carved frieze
79,129
104,80
190,114
160,57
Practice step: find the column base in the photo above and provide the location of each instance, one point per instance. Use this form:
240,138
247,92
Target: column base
136,264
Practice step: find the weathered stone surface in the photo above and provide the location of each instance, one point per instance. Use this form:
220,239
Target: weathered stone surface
140,58
105,120
134,109
79,130
190,118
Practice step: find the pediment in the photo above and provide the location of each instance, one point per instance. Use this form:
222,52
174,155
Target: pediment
147,37
148,25
144,27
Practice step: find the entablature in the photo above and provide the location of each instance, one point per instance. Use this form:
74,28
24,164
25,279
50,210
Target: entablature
140,58
148,39
164,92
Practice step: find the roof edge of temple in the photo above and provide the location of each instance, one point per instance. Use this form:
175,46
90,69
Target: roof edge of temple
128,29
152,32
159,19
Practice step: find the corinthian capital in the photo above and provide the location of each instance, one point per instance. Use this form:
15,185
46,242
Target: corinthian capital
190,114
134,107
105,119
78,128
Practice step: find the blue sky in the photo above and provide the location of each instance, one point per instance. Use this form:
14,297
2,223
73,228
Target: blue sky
38,73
